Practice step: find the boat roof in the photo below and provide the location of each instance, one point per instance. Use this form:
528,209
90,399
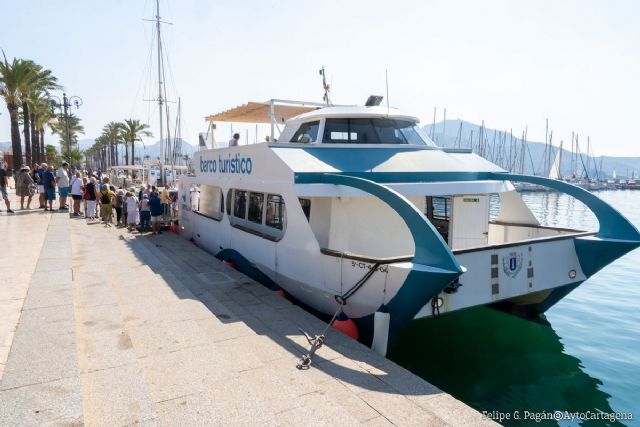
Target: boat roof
260,112
355,111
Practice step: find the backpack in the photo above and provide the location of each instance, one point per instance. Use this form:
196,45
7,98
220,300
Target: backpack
105,198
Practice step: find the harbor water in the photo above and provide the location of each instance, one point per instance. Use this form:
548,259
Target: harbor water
582,355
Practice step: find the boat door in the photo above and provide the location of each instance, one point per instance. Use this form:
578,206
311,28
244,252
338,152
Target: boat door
469,221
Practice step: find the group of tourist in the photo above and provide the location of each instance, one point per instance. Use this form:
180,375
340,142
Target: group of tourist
94,198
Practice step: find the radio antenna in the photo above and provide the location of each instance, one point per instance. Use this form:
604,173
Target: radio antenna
386,80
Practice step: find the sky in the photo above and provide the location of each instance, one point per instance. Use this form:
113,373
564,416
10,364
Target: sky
509,63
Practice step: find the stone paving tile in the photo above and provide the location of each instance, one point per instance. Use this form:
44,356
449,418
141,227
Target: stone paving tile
116,396
239,405
162,337
104,350
55,403
400,410
49,298
99,319
37,358
317,410
352,376
192,410
48,321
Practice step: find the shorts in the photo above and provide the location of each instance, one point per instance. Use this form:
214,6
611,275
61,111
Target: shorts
106,210
41,189
76,196
5,196
50,194
156,218
64,191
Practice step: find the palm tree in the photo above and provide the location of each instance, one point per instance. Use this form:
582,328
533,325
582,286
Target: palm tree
37,83
113,133
40,117
59,127
134,131
12,77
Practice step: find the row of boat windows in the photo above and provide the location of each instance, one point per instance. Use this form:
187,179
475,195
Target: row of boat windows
262,213
361,131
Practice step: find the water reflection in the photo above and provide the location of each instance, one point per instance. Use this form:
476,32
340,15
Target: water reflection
494,361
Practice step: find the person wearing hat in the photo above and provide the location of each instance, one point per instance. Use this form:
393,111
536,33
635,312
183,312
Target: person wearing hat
24,186
118,202
62,179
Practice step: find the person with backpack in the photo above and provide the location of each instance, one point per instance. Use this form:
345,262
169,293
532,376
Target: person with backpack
117,205
106,208
91,196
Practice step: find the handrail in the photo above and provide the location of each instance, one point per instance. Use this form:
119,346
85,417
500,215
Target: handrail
613,225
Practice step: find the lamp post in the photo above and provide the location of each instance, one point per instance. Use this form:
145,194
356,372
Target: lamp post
64,106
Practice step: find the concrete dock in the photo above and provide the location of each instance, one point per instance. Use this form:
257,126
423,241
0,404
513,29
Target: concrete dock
101,327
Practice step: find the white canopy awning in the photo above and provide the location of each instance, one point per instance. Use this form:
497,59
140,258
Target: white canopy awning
260,112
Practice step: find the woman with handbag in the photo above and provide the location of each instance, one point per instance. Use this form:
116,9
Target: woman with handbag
25,186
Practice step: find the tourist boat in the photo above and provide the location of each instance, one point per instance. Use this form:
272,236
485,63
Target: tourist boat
354,206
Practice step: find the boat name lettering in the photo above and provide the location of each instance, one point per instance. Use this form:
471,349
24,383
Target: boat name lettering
382,268
232,164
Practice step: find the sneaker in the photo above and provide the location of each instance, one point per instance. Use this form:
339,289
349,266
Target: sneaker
10,211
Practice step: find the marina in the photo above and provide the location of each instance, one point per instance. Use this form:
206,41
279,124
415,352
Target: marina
239,223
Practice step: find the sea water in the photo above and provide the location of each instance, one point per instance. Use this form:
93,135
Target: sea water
582,357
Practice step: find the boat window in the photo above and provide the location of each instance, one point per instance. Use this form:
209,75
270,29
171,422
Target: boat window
209,201
374,131
306,207
441,207
256,200
308,132
275,211
229,193
240,204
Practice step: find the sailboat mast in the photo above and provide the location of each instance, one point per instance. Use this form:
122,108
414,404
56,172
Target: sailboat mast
160,99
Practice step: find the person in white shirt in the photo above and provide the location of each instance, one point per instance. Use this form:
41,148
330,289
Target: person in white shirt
76,192
233,142
62,179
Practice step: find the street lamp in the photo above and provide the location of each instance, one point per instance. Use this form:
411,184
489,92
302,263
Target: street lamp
64,106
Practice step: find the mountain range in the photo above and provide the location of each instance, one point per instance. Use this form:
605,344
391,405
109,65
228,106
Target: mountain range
459,133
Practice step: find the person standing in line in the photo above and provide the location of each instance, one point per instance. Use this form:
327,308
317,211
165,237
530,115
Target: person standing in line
156,207
117,205
49,181
106,204
85,195
145,213
234,141
4,185
62,180
76,192
91,195
24,186
132,211
41,194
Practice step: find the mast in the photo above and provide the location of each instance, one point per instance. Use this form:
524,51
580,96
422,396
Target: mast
160,99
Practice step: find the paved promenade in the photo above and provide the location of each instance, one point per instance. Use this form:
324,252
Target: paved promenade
101,327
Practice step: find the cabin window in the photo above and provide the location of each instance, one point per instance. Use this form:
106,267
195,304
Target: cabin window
240,204
229,198
373,131
305,204
275,211
256,201
209,201
308,132
441,207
